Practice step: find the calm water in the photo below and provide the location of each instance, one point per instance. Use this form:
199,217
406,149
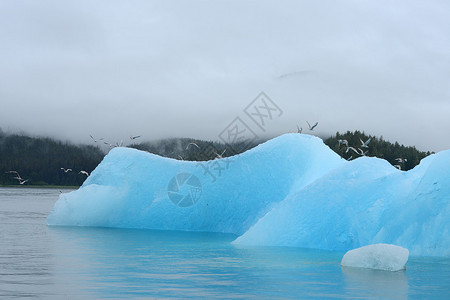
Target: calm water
55,262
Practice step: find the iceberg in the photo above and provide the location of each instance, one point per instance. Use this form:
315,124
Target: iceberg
290,191
363,202
378,257
136,189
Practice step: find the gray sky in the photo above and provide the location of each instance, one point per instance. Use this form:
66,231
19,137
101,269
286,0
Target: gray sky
188,68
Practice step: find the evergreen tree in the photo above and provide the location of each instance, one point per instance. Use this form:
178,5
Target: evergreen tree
378,147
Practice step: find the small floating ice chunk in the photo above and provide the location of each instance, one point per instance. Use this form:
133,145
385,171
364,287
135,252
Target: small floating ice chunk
379,257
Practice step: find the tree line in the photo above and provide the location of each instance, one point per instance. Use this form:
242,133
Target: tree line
40,159
377,147
194,149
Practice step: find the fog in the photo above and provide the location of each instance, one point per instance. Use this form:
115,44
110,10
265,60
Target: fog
160,69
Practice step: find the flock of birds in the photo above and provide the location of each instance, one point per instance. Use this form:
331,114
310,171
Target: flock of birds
311,128
358,151
67,170
81,172
132,138
218,156
21,180
361,151
400,161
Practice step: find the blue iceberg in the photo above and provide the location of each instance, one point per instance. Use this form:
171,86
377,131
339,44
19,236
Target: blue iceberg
290,191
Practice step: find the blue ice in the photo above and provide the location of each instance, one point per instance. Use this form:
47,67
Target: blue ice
290,191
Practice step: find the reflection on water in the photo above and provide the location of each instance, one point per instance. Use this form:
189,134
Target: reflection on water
379,283
170,264
52,262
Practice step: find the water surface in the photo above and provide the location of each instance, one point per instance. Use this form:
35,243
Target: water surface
55,262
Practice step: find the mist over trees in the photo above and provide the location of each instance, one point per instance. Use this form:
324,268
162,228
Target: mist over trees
195,150
40,159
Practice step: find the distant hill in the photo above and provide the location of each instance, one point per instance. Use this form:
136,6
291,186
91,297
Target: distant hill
378,147
181,148
193,149
40,159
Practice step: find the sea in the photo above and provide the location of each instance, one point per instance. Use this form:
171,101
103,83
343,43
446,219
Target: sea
43,262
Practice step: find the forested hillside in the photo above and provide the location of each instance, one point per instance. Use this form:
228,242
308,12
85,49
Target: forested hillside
378,147
194,150
39,160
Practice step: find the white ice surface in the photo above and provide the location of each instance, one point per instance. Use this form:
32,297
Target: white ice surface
379,257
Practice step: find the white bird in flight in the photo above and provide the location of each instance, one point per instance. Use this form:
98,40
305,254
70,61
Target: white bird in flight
312,127
398,167
193,144
109,144
361,152
18,178
365,144
343,142
15,172
351,148
21,181
66,170
219,155
401,160
84,172
95,141
17,175
133,137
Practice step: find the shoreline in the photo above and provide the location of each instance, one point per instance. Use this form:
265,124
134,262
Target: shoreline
41,186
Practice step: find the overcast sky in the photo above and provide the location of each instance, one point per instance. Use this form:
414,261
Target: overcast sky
188,68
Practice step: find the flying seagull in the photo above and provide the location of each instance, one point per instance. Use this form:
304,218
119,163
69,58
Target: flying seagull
133,137
109,144
21,181
66,170
193,144
219,155
361,152
15,172
365,144
312,127
17,175
84,172
343,142
401,160
95,141
18,178
351,148
398,167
